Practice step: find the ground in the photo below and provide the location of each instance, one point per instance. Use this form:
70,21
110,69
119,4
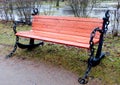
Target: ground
17,71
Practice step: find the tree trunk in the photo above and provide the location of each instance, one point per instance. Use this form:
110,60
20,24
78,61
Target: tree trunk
57,3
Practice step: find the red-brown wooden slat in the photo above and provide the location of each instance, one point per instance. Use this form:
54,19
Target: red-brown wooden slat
68,18
66,24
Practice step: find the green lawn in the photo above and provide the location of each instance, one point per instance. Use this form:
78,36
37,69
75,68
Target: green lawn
69,58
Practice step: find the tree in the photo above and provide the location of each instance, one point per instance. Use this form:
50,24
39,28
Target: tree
23,9
80,7
4,12
57,2
115,29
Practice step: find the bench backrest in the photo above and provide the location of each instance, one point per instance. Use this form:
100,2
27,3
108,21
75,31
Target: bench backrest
66,25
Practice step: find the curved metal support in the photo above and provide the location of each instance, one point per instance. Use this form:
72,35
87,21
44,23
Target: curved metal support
23,46
15,47
91,42
94,60
12,52
29,46
15,23
84,79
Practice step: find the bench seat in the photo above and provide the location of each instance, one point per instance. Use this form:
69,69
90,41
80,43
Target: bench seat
72,40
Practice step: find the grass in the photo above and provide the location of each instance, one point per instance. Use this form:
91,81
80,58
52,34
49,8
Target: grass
70,58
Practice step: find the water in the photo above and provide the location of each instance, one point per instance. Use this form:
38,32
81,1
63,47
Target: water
98,12
67,11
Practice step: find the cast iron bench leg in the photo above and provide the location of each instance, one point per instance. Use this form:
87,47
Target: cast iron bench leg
30,46
84,79
92,62
14,49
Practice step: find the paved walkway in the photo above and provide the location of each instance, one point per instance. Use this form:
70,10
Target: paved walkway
22,72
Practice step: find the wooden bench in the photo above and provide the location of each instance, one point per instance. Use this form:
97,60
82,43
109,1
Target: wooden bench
72,31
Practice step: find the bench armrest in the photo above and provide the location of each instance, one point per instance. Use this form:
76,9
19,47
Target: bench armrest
91,42
14,27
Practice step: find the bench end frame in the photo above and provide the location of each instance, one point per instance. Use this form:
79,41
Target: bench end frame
94,60
30,46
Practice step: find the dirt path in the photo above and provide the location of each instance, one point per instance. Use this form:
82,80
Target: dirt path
15,71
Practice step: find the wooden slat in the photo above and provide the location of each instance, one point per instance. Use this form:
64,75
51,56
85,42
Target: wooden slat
68,18
66,23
